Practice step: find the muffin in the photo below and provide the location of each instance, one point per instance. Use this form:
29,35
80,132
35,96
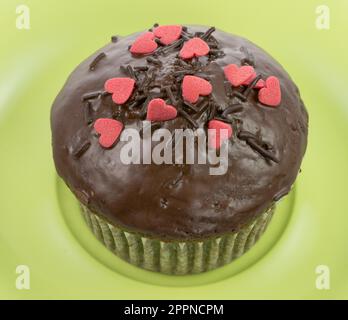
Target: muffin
179,218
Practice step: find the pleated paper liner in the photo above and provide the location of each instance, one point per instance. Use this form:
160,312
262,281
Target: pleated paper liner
177,257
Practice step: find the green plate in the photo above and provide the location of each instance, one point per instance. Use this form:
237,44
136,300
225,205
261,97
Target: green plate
39,222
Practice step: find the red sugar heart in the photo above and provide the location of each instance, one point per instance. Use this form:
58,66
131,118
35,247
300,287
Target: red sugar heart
195,47
168,34
144,44
259,84
158,110
271,94
109,130
193,87
214,133
239,75
121,89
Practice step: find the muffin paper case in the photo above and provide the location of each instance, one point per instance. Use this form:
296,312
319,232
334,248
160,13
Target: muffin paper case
177,257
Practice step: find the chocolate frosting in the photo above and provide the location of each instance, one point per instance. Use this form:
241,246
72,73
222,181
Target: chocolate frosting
177,201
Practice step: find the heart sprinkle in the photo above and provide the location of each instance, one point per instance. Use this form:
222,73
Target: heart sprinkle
168,34
144,44
109,130
214,133
238,76
260,84
270,95
193,87
121,89
195,47
158,110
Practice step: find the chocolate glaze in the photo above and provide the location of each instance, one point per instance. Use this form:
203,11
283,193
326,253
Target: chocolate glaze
178,201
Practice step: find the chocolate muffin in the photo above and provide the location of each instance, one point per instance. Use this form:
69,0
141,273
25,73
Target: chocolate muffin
179,218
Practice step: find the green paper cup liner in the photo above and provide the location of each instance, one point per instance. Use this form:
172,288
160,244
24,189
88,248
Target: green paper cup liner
177,257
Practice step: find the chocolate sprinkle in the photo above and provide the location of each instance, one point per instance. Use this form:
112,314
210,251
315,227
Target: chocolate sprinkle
244,135
191,106
114,39
81,150
182,63
144,82
88,111
232,109
188,118
249,58
138,101
158,41
144,108
208,33
239,95
154,61
256,144
149,77
212,45
186,36
141,68
151,74
105,93
91,95
182,73
173,46
261,150
94,63
203,106
131,72
251,85
140,97
170,95
212,111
